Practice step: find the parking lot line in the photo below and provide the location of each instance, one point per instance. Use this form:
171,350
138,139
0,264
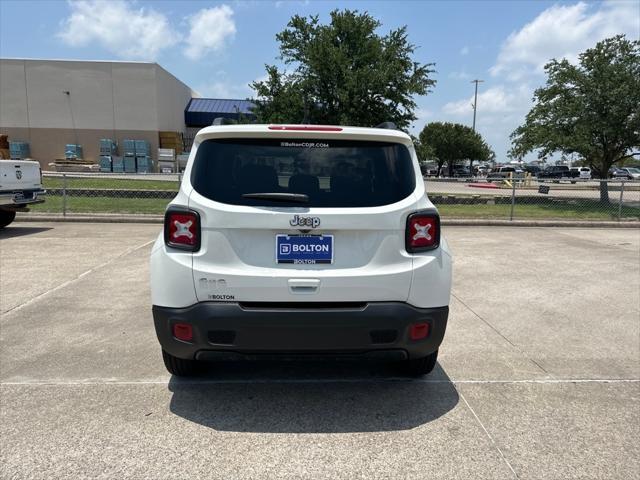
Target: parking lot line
454,295
491,440
75,279
327,380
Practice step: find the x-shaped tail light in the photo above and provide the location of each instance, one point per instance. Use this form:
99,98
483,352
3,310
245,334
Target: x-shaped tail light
182,229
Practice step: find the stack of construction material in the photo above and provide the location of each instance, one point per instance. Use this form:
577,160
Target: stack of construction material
117,164
108,147
171,140
19,150
108,150
166,160
4,147
137,156
143,156
73,151
73,161
181,160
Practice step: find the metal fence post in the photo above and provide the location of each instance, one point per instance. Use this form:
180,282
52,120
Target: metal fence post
64,194
513,196
620,204
179,179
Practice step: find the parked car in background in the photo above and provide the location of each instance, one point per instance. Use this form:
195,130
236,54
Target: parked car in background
503,173
626,172
556,173
20,186
583,173
532,169
462,172
481,170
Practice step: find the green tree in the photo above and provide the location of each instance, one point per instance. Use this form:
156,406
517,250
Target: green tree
453,142
423,152
592,109
343,73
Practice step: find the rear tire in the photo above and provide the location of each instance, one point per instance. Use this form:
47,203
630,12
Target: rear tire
6,217
179,366
416,367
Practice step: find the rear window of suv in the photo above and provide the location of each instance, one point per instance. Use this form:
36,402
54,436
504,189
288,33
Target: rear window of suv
332,173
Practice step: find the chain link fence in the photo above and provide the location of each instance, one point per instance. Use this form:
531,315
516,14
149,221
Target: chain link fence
531,199
519,199
75,193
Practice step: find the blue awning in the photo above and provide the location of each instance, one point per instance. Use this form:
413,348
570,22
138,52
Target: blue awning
201,112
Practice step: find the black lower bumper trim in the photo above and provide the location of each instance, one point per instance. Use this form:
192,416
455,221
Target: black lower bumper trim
377,330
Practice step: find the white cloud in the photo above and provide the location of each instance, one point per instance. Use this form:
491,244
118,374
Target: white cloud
295,3
460,75
225,89
495,100
560,31
210,30
127,32
464,50
563,31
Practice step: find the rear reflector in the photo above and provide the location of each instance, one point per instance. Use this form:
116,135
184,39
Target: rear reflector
305,128
418,331
423,232
182,229
183,331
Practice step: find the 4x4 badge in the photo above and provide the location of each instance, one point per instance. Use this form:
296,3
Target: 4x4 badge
298,221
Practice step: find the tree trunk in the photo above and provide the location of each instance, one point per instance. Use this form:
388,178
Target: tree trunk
603,166
604,191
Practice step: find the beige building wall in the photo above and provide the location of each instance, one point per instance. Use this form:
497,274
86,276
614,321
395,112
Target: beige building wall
105,100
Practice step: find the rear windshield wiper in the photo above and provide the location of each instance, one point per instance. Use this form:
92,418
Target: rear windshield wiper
279,197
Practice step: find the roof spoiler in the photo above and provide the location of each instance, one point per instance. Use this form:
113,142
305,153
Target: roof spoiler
388,126
223,121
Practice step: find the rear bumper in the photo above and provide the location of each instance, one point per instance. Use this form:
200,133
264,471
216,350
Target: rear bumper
19,199
237,331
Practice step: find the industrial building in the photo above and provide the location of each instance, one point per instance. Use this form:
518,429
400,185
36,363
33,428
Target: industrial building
52,103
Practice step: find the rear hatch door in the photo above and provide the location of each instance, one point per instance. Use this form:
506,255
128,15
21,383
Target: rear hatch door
290,221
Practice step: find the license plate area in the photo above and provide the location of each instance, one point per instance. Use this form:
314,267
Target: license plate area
304,249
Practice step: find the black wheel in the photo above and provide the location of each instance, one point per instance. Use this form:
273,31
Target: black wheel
416,367
6,217
179,366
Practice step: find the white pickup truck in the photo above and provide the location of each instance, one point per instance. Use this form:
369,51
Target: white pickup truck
20,186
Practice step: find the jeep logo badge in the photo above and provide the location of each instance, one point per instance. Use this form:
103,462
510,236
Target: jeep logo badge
298,221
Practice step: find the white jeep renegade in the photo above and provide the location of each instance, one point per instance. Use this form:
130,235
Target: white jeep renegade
301,240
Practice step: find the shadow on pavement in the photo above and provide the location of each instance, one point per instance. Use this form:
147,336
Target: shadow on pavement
311,398
10,232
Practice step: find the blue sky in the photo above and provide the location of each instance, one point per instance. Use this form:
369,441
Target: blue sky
217,48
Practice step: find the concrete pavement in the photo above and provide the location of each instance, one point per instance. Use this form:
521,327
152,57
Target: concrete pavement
538,376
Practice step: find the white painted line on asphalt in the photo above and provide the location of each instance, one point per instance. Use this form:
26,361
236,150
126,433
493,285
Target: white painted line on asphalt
327,380
69,282
486,322
493,442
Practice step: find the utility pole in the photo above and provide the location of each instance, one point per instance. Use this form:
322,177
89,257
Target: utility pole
475,102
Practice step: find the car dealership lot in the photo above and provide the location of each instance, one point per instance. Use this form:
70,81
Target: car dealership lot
538,375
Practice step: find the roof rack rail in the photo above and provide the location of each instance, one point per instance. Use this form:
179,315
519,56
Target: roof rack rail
223,121
388,126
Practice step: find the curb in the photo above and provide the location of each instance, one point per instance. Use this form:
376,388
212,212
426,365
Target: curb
460,222
453,222
93,218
